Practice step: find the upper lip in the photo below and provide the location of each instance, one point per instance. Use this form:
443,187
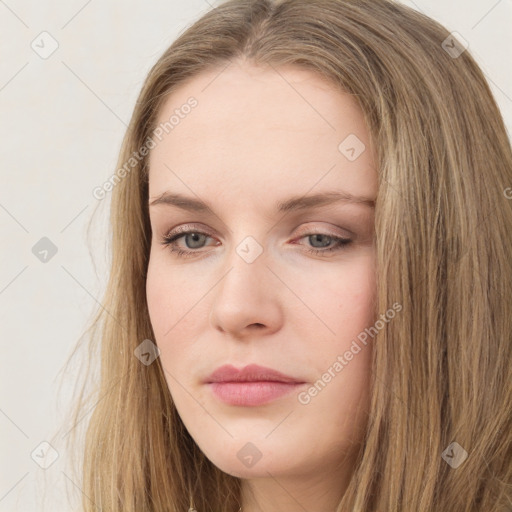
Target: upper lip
250,373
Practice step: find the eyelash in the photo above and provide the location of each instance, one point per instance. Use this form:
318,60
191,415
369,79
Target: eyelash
170,241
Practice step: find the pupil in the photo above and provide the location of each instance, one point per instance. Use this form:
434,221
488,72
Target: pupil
319,237
195,237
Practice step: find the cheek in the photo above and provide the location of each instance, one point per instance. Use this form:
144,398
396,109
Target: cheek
357,299
175,307
346,300
170,297
346,305
158,298
342,392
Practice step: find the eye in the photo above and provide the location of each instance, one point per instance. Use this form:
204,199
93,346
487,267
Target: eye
339,243
195,239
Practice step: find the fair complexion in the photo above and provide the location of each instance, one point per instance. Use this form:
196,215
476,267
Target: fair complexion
258,137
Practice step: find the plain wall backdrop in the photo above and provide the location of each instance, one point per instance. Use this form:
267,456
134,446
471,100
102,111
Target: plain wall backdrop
70,73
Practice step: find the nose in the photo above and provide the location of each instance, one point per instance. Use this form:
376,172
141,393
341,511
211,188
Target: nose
247,299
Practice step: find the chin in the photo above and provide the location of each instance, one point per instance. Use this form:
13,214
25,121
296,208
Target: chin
243,459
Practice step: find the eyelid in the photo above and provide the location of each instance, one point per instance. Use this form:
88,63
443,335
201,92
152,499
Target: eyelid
187,227
304,230
326,231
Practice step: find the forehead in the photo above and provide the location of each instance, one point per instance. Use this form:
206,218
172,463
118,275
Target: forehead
260,132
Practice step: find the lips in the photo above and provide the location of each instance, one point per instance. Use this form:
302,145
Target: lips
253,385
250,373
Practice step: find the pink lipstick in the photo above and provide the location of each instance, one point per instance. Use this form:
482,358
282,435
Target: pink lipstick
253,385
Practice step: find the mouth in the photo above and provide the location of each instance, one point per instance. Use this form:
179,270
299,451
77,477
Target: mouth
248,394
251,386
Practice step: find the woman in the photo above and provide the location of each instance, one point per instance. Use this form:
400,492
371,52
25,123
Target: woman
379,309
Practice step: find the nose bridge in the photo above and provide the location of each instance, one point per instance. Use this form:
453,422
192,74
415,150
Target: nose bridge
248,244
245,296
247,272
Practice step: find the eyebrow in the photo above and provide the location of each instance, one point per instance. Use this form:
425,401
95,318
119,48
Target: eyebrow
292,204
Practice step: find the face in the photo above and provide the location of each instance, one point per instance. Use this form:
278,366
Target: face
242,281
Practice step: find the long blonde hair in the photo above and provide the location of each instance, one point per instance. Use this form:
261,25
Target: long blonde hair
442,369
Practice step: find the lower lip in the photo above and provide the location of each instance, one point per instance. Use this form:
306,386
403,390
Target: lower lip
251,393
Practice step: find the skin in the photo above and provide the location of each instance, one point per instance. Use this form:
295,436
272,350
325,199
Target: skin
257,136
